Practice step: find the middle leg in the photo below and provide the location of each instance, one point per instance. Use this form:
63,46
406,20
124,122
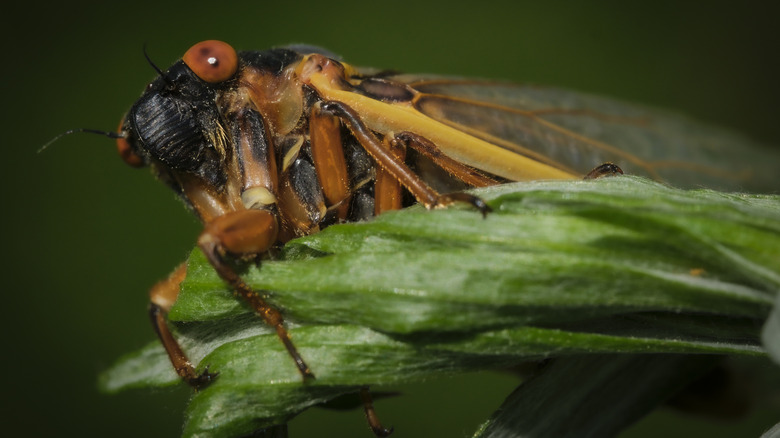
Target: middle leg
247,233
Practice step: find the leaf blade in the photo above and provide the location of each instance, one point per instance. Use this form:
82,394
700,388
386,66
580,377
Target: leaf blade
559,269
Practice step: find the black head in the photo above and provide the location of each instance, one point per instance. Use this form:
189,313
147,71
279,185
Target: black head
176,124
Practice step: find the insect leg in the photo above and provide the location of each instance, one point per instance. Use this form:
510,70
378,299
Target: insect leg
427,148
387,189
603,170
162,296
384,158
373,420
329,162
247,232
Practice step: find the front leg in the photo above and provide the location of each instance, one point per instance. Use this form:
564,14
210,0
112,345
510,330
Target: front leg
162,296
394,166
245,233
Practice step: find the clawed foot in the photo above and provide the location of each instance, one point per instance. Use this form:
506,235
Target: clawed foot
382,432
604,170
201,380
474,201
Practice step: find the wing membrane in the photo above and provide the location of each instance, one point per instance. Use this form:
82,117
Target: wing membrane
578,131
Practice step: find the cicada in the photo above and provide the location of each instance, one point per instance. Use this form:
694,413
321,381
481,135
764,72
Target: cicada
265,146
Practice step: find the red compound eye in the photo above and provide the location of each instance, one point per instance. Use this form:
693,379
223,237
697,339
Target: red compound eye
213,61
126,151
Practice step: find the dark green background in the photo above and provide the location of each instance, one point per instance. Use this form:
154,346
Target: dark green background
88,235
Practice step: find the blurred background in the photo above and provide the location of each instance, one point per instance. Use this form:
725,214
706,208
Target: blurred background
88,236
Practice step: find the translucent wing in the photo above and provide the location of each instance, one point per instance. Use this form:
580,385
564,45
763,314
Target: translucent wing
577,131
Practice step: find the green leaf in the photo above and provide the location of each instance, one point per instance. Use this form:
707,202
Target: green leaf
771,332
618,265
592,396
